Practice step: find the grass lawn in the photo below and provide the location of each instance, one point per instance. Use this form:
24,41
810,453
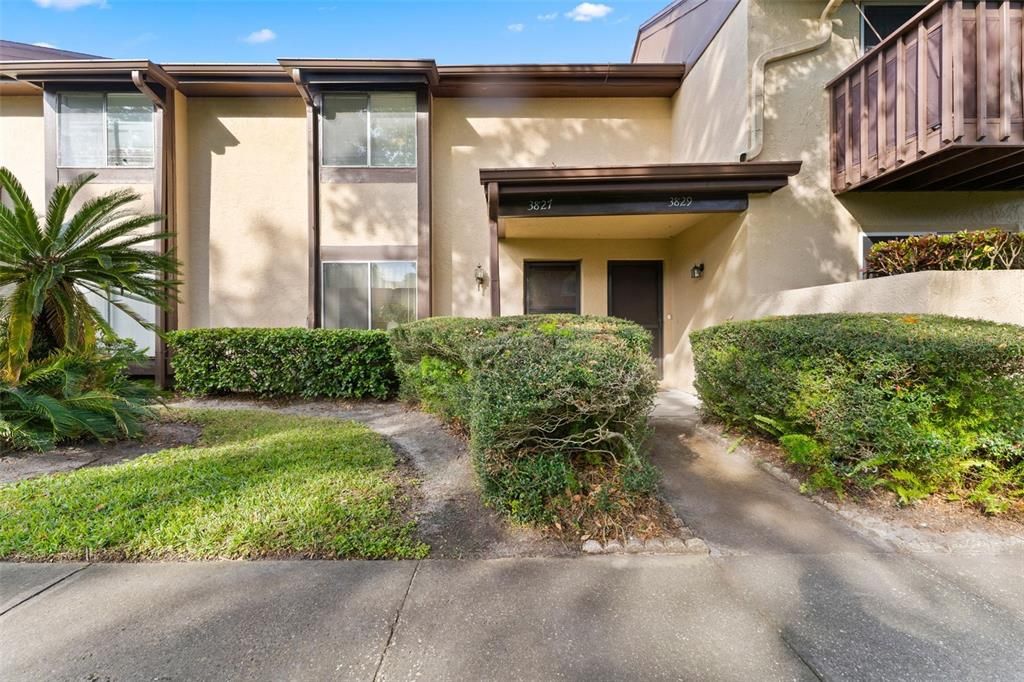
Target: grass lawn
257,484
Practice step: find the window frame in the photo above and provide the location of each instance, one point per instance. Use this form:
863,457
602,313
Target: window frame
105,126
324,96
864,29
369,288
530,264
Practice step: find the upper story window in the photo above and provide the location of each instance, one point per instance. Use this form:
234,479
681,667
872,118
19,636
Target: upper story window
881,19
105,130
375,129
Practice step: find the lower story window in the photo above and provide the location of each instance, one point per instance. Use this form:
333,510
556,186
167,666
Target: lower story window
123,324
369,295
552,287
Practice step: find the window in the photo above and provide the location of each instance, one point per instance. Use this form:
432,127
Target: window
97,130
123,324
552,287
883,20
377,295
377,129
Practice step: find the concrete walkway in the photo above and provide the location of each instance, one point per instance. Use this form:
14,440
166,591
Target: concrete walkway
789,592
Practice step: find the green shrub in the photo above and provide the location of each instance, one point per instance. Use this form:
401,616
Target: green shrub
556,406
913,403
978,250
69,395
286,362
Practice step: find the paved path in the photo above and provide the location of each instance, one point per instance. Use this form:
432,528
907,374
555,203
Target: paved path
789,592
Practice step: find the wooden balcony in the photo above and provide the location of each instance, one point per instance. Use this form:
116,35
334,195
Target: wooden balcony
938,105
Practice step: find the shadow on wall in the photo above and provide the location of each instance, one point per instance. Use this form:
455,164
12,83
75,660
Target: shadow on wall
368,214
500,133
246,214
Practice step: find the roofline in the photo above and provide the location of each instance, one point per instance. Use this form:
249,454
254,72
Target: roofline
662,172
459,80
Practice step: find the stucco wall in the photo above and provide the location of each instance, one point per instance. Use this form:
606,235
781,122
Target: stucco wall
181,205
716,85
368,214
985,295
21,144
247,214
594,254
469,134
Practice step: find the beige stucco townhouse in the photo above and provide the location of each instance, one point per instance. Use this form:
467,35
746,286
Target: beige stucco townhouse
751,147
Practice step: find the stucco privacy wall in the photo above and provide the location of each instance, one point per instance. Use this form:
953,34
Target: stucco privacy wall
247,214
469,134
996,295
370,214
21,144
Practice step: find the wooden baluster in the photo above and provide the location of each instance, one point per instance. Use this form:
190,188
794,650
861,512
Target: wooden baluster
882,125
1005,71
863,130
981,38
901,100
847,107
922,88
945,76
958,69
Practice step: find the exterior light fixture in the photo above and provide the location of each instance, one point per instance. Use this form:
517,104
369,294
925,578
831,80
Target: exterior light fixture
697,271
480,275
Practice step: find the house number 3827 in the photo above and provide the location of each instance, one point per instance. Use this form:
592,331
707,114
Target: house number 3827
541,205
680,202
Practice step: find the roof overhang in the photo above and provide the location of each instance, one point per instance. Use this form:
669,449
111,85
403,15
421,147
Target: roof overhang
37,73
560,80
651,190
231,80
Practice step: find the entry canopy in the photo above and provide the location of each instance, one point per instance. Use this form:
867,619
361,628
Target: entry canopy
653,190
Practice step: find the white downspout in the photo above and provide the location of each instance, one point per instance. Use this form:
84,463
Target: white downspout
774,55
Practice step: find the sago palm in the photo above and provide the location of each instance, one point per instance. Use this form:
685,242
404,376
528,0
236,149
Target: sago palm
48,266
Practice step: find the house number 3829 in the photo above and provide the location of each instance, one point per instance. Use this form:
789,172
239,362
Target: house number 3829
541,205
680,202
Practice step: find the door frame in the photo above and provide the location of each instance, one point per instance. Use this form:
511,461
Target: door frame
660,267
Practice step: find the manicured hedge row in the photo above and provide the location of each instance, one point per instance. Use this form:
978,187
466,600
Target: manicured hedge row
285,362
974,250
916,403
556,406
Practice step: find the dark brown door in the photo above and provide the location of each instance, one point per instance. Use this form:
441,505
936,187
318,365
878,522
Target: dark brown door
634,293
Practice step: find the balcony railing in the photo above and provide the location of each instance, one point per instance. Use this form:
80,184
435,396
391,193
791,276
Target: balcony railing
936,105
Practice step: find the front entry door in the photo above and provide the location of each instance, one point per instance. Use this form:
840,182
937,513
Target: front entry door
634,293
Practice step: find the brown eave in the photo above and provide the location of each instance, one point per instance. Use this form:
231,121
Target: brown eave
232,80
560,80
383,68
84,70
757,176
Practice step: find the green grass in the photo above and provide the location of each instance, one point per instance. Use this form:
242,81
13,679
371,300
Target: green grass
257,485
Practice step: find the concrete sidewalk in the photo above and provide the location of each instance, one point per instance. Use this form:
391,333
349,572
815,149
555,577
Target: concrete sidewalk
789,592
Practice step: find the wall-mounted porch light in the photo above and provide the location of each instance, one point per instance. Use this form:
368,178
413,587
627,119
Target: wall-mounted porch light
480,275
697,271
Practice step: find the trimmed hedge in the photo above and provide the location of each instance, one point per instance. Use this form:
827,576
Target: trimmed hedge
915,403
284,362
992,249
556,406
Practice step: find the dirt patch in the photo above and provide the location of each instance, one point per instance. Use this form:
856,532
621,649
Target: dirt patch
158,435
448,511
934,523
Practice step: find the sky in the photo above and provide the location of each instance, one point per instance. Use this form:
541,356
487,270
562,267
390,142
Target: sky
449,31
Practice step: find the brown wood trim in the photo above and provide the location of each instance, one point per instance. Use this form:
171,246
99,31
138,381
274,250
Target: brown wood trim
424,209
111,176
492,222
743,170
371,252
351,175
50,172
313,208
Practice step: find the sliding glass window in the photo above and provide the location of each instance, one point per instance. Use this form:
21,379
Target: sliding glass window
369,295
369,130
105,130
